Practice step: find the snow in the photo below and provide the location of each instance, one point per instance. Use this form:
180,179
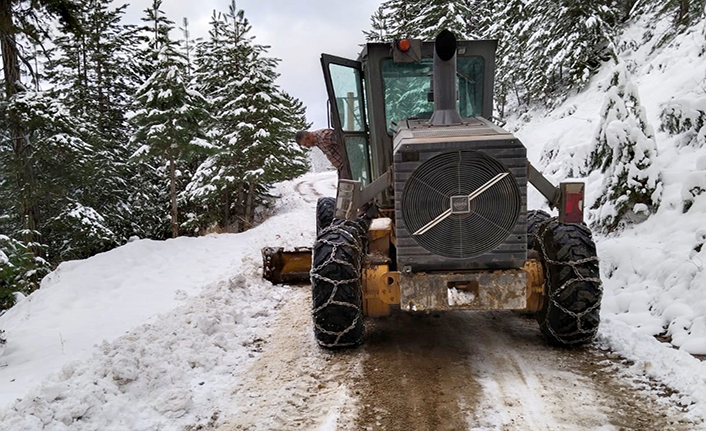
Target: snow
678,369
155,335
150,335
459,297
654,272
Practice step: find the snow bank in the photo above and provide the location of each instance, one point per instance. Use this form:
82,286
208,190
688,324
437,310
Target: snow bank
654,272
163,315
678,370
176,371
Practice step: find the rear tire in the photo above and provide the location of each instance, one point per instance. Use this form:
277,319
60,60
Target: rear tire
325,210
571,312
535,218
337,296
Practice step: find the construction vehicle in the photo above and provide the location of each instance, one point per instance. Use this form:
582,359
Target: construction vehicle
431,209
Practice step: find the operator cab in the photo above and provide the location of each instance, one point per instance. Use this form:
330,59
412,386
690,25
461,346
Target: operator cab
391,83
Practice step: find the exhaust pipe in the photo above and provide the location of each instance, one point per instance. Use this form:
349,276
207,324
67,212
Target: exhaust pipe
444,80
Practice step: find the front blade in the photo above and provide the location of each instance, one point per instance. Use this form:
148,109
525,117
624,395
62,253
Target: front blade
280,266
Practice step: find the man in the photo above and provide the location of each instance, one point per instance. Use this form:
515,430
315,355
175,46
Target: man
327,141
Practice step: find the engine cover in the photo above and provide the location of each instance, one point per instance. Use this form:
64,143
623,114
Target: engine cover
460,197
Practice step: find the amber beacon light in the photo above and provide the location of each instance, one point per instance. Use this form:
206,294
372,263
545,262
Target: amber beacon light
404,45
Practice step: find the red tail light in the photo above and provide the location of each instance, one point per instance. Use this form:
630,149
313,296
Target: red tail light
572,201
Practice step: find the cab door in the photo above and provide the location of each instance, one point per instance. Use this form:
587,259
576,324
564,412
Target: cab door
344,85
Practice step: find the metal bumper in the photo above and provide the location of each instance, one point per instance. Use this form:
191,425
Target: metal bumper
477,290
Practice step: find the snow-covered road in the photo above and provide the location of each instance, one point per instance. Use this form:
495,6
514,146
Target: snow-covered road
454,371
236,353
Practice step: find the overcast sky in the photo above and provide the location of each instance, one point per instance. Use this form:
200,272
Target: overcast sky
298,31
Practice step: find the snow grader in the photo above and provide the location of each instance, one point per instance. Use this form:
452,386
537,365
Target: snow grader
431,208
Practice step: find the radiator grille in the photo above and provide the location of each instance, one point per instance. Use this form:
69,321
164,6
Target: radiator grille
466,240
480,227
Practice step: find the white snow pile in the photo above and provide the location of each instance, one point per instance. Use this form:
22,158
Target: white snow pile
654,272
151,335
459,297
680,371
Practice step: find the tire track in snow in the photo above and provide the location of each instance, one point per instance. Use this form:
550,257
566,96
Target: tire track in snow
294,385
314,188
304,194
538,387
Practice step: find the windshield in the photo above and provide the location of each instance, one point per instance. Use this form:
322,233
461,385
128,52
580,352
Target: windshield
407,86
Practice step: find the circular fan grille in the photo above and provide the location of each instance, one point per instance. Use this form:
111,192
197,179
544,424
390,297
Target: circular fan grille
493,213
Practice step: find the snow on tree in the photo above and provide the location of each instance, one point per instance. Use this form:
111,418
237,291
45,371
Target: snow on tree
20,270
253,128
380,27
567,44
685,117
85,232
685,13
63,162
510,22
401,17
170,118
222,64
694,185
21,23
438,15
88,73
625,151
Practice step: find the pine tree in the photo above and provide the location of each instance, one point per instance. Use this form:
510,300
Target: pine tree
18,25
438,15
20,270
685,12
223,64
625,150
510,22
380,24
482,17
87,69
402,17
188,45
170,119
63,160
152,36
265,133
253,126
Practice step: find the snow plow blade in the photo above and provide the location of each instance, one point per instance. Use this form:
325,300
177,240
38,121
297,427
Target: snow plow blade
280,266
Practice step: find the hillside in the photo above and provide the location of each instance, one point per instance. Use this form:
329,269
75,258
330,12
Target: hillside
653,272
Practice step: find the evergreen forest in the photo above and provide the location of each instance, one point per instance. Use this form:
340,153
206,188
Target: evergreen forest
111,131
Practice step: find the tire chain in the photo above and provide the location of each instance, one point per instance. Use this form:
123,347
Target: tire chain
579,278
356,245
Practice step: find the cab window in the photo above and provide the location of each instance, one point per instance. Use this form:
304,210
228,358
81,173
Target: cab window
407,86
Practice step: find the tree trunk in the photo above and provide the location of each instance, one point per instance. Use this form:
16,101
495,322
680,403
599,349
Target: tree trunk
172,181
102,103
248,207
24,174
226,210
240,208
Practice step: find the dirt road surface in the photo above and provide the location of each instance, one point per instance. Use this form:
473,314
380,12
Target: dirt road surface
454,371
